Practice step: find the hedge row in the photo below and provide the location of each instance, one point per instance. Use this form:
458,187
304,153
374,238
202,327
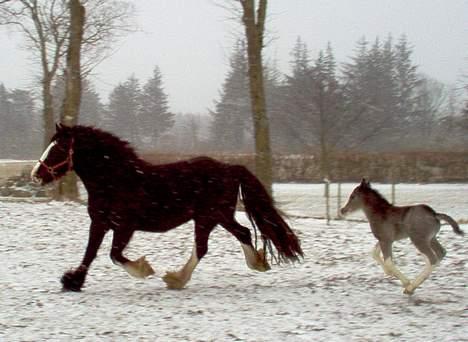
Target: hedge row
379,167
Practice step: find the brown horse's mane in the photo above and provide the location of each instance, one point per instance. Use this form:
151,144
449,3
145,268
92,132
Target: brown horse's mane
106,143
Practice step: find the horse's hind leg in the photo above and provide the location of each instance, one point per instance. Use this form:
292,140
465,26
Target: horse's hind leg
388,265
438,249
139,268
431,260
254,259
178,279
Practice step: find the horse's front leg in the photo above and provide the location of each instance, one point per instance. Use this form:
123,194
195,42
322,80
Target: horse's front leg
376,255
73,280
388,265
139,268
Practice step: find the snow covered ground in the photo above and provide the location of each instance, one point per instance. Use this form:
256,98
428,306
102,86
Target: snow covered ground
337,294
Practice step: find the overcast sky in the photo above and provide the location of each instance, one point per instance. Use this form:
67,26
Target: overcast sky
191,40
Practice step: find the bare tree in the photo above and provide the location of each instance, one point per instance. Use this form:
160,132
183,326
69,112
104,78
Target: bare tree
68,188
71,102
106,22
253,19
45,34
45,25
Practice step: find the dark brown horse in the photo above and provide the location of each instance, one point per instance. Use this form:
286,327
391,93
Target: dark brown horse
126,194
390,223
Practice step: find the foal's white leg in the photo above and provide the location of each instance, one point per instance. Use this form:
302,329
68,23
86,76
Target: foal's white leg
255,259
376,255
177,280
409,289
391,269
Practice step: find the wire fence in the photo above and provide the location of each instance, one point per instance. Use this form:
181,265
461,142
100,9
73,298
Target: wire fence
323,200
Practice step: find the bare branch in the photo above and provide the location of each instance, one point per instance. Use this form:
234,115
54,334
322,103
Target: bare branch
45,25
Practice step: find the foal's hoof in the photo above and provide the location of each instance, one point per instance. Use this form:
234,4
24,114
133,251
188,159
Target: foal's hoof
409,290
173,281
261,263
73,280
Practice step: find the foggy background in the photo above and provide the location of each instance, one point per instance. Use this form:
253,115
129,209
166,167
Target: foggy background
188,49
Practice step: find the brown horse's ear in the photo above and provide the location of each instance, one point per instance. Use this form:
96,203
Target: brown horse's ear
62,129
365,183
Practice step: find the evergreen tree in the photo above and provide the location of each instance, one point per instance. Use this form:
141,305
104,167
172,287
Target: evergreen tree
275,90
300,63
5,122
298,91
22,114
232,121
123,108
406,79
17,124
5,114
154,117
327,102
91,108
354,76
370,91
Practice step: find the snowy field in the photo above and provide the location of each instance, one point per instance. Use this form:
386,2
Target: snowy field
338,293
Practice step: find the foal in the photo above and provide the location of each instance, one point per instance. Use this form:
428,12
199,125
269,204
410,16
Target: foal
390,223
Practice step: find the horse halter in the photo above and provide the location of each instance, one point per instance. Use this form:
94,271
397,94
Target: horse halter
69,160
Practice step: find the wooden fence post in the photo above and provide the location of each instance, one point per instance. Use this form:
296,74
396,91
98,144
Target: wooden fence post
327,199
338,201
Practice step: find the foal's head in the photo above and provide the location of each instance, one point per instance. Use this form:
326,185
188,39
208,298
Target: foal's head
357,198
57,158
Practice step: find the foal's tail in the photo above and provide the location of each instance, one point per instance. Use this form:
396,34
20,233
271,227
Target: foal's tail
451,221
264,216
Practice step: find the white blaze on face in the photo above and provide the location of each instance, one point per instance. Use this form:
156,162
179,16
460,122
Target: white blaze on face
41,159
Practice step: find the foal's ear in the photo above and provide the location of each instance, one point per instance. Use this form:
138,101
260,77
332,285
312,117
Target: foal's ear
58,127
365,183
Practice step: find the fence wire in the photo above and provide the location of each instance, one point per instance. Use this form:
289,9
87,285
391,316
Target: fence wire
310,199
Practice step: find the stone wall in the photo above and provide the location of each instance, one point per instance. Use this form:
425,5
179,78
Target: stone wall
12,168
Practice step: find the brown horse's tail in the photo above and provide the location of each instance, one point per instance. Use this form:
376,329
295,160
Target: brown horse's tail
263,215
451,221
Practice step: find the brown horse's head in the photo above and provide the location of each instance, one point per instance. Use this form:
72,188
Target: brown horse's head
57,158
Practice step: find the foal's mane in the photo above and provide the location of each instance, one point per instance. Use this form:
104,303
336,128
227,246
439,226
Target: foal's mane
378,198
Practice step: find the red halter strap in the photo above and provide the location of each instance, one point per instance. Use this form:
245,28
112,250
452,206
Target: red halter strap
68,160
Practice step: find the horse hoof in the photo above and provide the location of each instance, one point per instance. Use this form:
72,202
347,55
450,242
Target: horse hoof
173,281
145,267
262,267
139,268
262,264
73,280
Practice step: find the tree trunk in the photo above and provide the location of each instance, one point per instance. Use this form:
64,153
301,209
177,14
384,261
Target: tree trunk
68,188
47,111
324,150
254,29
